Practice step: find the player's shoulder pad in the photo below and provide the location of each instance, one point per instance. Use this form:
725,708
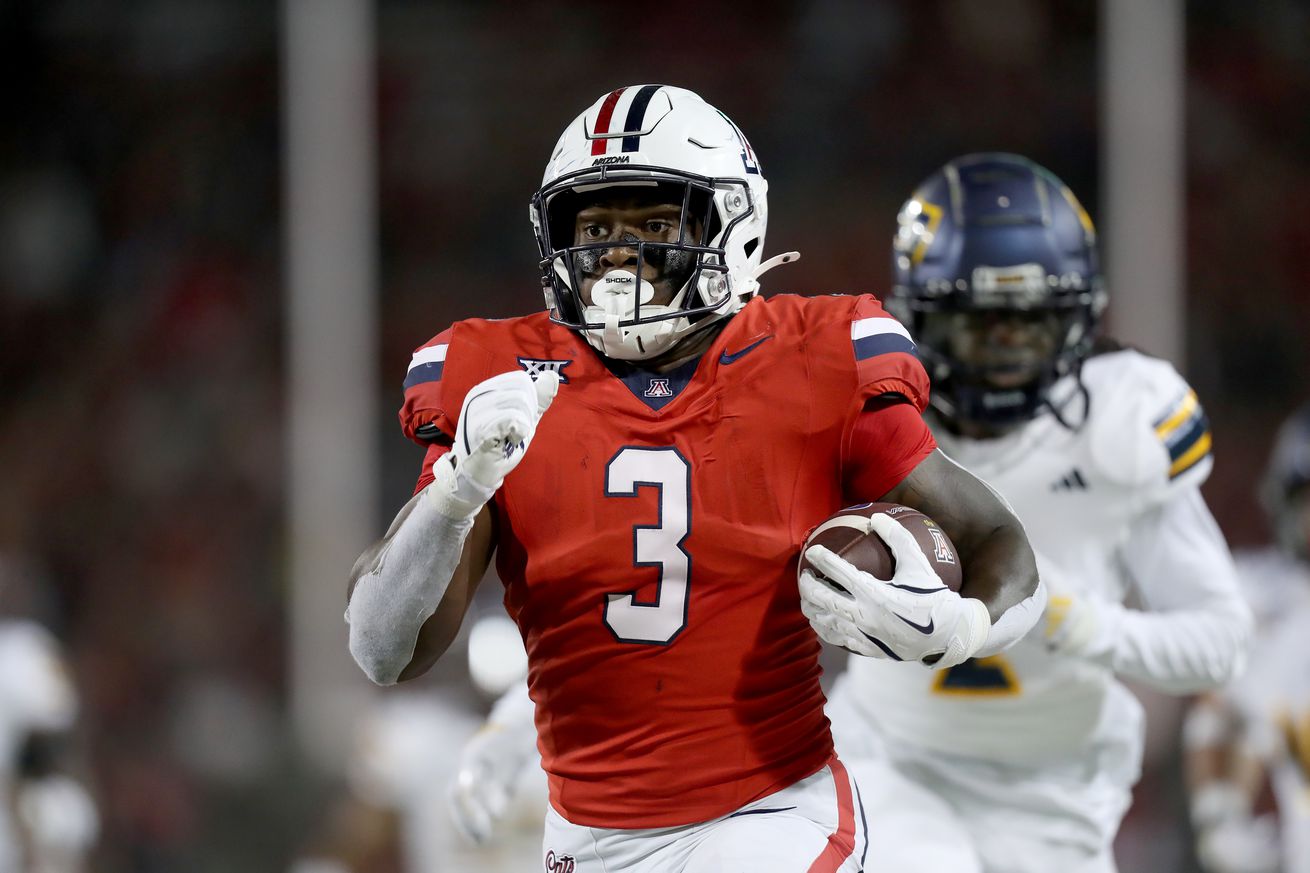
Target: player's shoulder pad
423,415
1146,426
886,359
853,331
443,369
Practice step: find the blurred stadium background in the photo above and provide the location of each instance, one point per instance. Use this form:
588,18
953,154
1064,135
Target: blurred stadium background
224,225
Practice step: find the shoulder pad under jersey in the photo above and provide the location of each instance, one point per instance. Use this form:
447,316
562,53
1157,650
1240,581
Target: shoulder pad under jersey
853,331
423,415
1146,427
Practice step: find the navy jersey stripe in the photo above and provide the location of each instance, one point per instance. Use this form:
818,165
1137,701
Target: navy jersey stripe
864,824
881,344
1189,438
430,372
636,115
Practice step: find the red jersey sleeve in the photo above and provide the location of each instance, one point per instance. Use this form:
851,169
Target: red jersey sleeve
888,440
885,360
423,416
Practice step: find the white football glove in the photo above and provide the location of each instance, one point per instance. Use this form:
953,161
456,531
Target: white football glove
912,617
1240,845
1072,622
490,765
495,428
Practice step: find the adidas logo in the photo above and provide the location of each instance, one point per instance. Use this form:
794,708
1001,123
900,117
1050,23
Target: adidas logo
1071,481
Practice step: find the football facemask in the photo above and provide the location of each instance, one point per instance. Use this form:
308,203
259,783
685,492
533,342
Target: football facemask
670,148
996,239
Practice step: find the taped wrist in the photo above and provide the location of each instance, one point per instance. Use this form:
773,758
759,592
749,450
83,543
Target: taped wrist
454,494
405,585
1014,623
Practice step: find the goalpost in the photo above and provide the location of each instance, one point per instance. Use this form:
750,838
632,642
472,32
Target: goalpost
1143,172
330,233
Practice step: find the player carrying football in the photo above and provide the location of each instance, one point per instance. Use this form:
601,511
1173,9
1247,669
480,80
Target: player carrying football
1025,761
644,459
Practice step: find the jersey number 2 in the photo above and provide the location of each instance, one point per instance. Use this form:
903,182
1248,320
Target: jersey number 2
653,545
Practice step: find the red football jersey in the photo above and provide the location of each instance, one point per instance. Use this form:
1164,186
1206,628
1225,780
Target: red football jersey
648,543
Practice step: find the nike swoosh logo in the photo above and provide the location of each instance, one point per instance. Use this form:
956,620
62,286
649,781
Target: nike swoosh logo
885,648
726,358
921,628
914,590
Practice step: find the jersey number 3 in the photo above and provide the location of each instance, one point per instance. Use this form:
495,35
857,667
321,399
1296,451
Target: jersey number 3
656,545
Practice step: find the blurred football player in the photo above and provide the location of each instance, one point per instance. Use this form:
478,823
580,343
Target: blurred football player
393,811
1024,761
1257,731
48,821
645,458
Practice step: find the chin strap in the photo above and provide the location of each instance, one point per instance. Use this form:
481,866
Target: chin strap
611,336
1057,410
776,261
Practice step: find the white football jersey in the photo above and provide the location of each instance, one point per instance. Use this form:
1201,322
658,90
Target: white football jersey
1113,505
406,754
35,695
1274,696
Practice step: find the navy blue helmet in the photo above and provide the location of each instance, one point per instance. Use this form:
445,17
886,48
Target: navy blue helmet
1285,490
998,279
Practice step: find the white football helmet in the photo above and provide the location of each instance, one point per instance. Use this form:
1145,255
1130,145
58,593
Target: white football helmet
668,140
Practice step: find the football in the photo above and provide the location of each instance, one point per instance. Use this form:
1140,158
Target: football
848,535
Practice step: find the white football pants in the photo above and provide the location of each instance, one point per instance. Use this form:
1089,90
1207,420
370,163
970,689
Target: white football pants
814,826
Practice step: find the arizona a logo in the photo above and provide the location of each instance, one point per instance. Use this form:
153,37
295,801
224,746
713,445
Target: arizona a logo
658,388
941,547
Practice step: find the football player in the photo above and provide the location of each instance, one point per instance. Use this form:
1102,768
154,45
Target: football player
1024,761
1258,729
496,772
644,458
48,821
393,811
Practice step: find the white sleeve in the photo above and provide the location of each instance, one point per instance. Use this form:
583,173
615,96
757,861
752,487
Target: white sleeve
409,577
1194,626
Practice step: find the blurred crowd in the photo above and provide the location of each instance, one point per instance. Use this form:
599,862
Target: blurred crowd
141,397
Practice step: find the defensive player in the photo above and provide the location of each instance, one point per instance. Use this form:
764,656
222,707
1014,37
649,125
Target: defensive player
1258,729
646,517
1024,761
48,821
393,811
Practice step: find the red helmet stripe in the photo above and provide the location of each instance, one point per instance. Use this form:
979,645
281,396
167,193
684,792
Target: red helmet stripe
603,121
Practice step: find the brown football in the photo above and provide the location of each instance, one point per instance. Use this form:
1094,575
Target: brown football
847,533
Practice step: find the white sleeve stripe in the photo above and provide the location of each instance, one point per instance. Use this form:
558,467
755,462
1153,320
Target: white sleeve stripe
430,355
877,325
